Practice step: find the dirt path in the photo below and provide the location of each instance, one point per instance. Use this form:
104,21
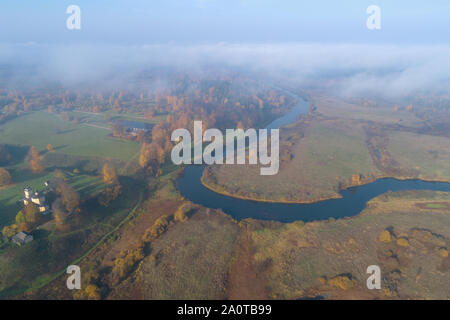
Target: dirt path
96,126
245,282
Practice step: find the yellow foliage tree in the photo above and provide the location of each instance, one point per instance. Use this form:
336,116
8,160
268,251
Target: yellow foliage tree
385,236
5,177
402,242
110,174
36,165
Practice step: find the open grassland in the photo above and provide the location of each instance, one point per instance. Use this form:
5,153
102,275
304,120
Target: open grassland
338,108
35,264
427,155
104,119
41,128
330,258
212,256
341,144
192,260
328,155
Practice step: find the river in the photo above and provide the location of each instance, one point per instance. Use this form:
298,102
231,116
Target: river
353,200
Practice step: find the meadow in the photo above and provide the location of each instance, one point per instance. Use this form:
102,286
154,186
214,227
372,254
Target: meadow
42,128
329,154
329,258
10,196
73,144
333,151
428,155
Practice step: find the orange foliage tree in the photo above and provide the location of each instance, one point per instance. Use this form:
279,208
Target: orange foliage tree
36,165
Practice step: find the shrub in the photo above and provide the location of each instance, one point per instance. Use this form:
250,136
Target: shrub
181,214
5,177
156,229
443,252
385,236
402,242
341,282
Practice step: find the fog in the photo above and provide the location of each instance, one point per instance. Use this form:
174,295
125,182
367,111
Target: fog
350,70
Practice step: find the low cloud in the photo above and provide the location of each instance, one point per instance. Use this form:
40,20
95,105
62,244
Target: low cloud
349,70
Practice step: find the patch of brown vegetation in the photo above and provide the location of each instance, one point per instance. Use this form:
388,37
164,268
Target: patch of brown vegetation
245,282
132,232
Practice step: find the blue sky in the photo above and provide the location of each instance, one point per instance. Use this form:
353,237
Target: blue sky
237,21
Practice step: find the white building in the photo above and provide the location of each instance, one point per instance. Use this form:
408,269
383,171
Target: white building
37,198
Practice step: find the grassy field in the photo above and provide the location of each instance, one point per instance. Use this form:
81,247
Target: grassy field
103,119
428,155
10,196
337,143
77,146
338,108
306,260
204,245
41,128
329,154
30,266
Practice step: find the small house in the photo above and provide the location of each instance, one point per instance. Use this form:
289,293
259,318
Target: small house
22,238
36,198
133,127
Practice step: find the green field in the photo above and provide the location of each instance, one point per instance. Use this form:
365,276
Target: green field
41,128
428,155
435,206
329,154
103,119
10,196
29,266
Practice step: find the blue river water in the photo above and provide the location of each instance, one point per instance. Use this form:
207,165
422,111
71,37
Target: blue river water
353,200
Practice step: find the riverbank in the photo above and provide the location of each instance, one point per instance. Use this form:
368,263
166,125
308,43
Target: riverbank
219,190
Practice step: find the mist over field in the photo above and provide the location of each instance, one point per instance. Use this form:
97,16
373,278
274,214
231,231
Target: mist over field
224,150
345,69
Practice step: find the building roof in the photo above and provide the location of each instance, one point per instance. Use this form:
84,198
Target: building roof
36,195
135,125
21,236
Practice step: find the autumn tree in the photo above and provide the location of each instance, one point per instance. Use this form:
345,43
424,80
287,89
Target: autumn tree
109,194
5,177
110,174
35,160
157,229
181,214
140,136
50,148
5,157
70,199
144,156
151,154
28,218
118,130
126,261
60,214
9,231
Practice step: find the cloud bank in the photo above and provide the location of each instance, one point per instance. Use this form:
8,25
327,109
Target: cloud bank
350,70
